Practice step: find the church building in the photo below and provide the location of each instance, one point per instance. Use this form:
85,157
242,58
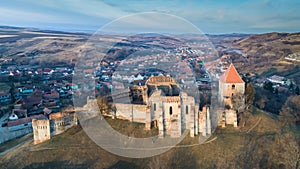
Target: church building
165,107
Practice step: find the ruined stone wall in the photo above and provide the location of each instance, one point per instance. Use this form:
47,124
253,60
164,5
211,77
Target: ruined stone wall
231,117
41,130
140,92
202,120
171,118
166,113
160,80
10,135
221,90
172,114
190,114
131,112
226,92
61,122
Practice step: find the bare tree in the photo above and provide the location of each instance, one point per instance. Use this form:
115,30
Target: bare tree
249,95
238,102
290,111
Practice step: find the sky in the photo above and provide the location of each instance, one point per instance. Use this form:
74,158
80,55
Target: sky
210,16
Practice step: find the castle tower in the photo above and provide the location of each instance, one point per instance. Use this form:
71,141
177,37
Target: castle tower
230,84
41,130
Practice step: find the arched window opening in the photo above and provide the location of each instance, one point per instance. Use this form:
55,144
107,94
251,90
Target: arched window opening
187,109
154,106
170,110
233,87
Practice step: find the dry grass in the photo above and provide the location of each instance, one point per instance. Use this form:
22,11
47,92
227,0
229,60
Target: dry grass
131,129
264,146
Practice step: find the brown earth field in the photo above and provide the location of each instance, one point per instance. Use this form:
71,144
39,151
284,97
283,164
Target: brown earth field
37,47
265,51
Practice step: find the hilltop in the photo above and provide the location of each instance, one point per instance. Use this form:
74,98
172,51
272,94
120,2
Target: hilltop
32,46
264,142
265,51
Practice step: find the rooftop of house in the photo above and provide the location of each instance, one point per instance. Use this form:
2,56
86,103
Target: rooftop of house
59,115
25,120
276,77
2,93
33,99
20,111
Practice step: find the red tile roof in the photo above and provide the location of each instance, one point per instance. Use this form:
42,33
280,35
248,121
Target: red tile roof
25,120
47,70
231,76
4,93
88,71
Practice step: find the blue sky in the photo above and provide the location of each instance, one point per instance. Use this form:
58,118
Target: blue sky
211,16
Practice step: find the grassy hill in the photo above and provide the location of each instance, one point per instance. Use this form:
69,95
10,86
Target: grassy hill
262,142
265,51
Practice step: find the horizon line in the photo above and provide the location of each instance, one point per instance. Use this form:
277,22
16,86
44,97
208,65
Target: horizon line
92,31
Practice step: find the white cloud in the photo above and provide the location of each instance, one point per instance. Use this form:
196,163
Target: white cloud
17,14
231,16
95,8
151,22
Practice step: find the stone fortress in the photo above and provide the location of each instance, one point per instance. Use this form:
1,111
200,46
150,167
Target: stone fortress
57,123
164,106
160,104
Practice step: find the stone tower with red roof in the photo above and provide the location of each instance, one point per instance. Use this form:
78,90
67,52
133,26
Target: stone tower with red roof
230,84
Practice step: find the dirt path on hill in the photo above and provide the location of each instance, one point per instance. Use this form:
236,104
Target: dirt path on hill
254,125
78,146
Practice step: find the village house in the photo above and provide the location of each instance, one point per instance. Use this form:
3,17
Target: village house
17,114
25,91
48,71
277,79
23,123
5,97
